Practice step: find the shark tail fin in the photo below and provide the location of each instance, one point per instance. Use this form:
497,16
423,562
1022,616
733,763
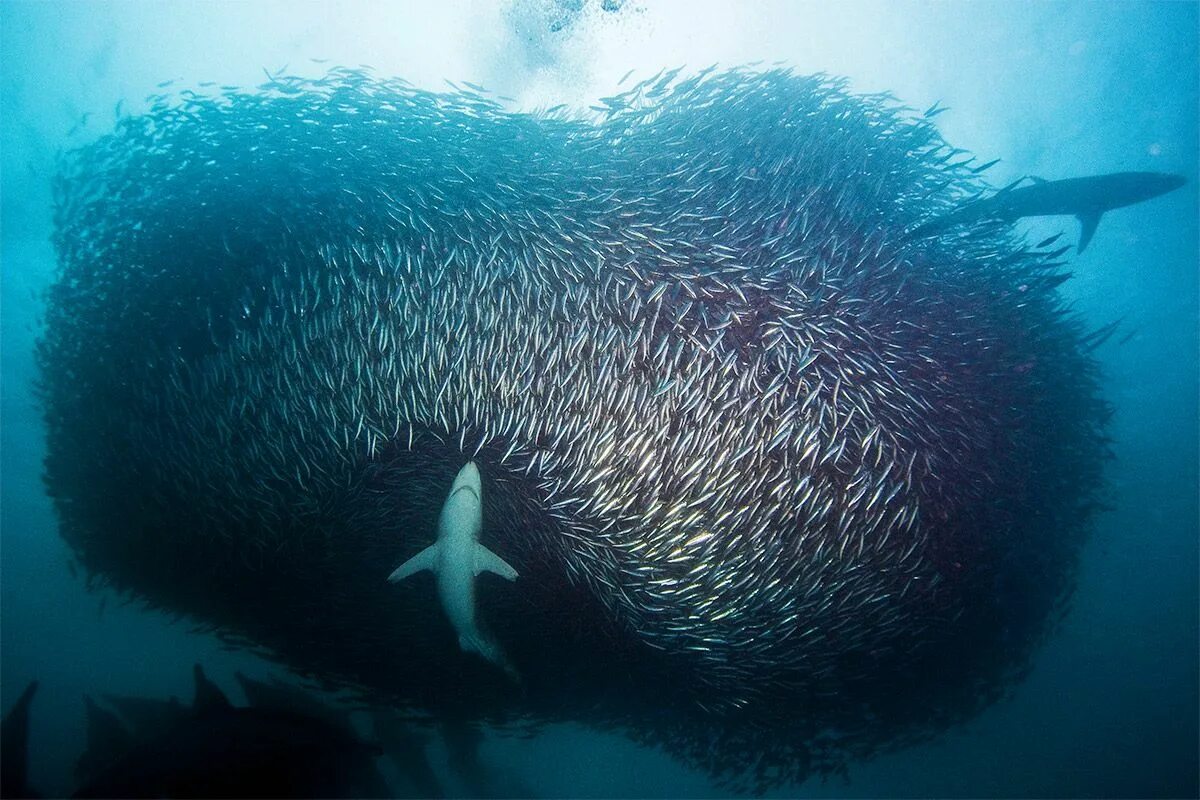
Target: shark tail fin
426,559
487,561
489,650
1087,227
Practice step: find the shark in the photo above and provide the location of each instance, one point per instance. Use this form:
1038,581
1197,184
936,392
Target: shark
148,747
456,558
1087,198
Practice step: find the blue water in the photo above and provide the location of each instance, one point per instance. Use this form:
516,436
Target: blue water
1053,89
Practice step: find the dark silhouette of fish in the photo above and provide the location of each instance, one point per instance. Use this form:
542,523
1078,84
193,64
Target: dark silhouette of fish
159,748
462,739
400,740
405,746
14,747
219,750
1086,198
108,741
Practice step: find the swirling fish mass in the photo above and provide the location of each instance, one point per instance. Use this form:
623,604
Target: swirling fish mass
786,484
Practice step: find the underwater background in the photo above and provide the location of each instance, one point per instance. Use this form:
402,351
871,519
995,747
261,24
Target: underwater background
1054,90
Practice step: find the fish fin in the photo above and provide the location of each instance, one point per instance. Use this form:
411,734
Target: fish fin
1087,227
14,746
426,559
487,561
107,741
1011,186
209,696
404,744
278,695
147,716
486,649
1036,179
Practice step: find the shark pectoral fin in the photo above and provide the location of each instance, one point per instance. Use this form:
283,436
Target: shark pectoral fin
426,559
1087,226
487,561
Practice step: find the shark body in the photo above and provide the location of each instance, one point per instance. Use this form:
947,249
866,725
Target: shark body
456,558
1086,198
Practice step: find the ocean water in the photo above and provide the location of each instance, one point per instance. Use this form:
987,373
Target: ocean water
1055,90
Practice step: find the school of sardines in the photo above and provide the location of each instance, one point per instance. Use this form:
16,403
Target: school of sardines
803,456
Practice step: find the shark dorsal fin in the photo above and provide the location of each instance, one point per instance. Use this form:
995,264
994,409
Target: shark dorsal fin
279,696
147,716
209,696
107,740
14,746
1087,227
